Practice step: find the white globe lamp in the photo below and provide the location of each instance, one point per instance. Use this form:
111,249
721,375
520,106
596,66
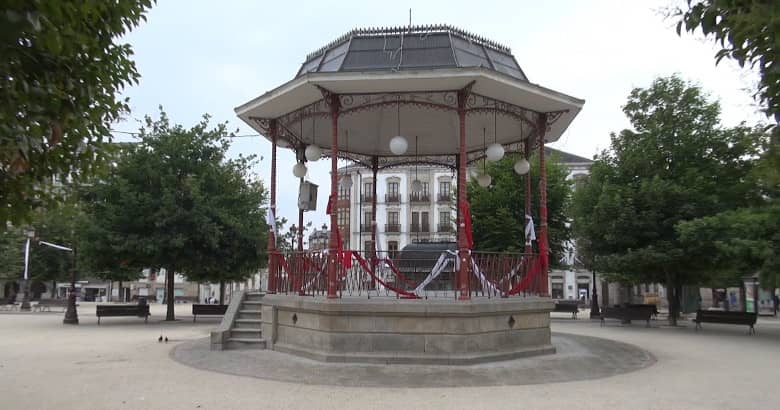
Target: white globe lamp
398,145
313,152
299,170
416,186
484,180
494,152
522,166
346,182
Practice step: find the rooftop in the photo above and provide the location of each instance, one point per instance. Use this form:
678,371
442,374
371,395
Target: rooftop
410,48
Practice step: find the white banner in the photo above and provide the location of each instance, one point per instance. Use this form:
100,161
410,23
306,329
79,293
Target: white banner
26,257
530,233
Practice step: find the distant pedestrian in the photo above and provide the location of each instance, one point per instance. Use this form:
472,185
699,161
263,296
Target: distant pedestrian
776,300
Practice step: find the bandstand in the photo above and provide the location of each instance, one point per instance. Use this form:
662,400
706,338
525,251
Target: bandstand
389,97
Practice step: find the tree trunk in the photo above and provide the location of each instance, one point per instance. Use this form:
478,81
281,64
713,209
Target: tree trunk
121,292
222,292
53,289
170,315
673,298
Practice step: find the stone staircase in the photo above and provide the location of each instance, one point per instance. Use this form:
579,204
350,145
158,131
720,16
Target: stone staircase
241,327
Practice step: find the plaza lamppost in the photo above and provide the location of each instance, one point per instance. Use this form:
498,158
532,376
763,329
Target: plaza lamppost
71,315
595,313
30,233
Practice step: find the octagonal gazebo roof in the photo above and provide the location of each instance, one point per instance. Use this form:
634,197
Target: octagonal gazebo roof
400,49
406,81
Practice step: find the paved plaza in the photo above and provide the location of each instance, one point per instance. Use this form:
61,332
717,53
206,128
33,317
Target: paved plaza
120,365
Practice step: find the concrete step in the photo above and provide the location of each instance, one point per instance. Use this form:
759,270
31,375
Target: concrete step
248,323
254,297
238,343
257,303
248,314
246,333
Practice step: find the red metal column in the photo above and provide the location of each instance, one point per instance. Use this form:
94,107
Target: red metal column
333,244
463,248
527,155
300,228
272,209
544,252
374,171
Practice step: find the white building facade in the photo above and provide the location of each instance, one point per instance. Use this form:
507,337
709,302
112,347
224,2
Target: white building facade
402,216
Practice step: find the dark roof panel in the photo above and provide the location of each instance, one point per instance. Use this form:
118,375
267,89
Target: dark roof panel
400,48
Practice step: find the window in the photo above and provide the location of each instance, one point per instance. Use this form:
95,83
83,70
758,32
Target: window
415,222
392,188
343,217
392,218
343,193
557,290
368,191
368,247
392,249
425,189
444,222
393,222
444,188
424,226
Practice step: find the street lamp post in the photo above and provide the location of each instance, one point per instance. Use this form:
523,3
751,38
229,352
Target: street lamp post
595,313
71,315
26,281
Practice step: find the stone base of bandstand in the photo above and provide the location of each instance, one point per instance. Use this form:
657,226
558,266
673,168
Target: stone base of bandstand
419,331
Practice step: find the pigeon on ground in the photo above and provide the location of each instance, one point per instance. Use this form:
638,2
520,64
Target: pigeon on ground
166,339
159,339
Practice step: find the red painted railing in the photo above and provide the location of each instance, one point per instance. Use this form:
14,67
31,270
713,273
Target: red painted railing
408,275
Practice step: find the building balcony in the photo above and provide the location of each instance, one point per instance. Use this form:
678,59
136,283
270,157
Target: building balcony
445,228
366,198
392,227
444,197
419,197
365,228
393,198
419,228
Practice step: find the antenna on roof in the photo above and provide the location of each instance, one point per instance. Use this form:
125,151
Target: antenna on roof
410,19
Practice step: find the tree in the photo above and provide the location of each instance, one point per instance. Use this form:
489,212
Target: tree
748,32
676,164
61,73
498,211
175,201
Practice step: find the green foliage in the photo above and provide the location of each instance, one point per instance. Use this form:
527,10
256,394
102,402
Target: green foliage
748,32
498,211
738,242
61,73
174,200
676,164
11,253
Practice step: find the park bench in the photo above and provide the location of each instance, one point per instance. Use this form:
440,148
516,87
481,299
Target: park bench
653,308
571,306
9,306
627,313
208,310
47,304
729,318
123,310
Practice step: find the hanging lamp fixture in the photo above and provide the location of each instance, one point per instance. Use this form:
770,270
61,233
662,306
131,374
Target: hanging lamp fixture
346,181
416,184
484,179
313,151
495,151
398,144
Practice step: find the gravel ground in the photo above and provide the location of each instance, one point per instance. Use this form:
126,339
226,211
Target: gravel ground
120,365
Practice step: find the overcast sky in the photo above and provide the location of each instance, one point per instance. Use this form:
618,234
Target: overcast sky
200,57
